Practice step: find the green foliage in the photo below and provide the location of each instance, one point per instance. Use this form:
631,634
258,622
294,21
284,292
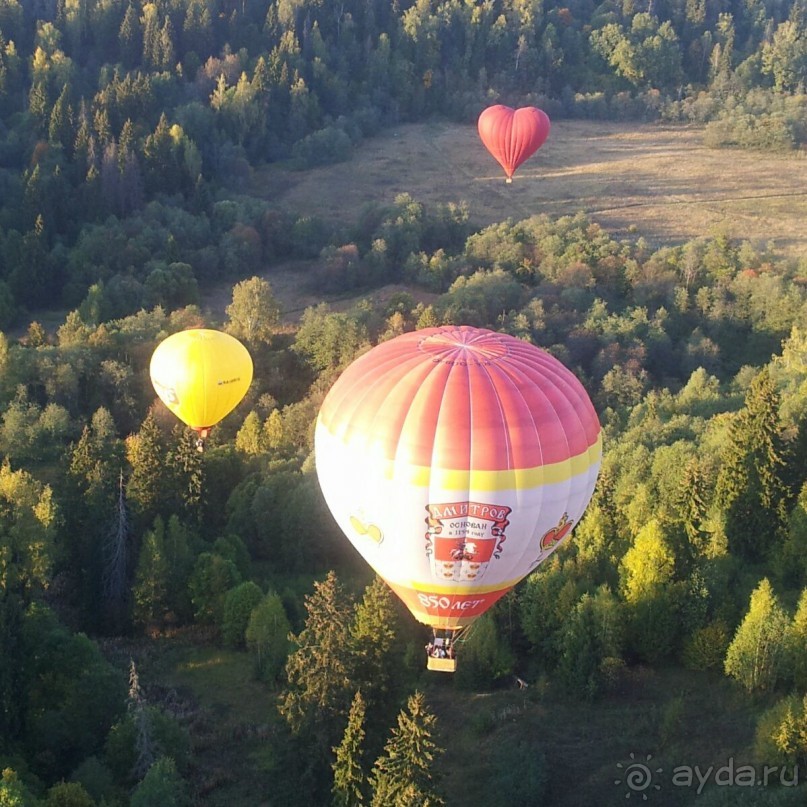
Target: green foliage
405,773
213,576
161,785
74,694
320,669
324,147
757,651
377,652
349,778
592,638
239,603
151,587
27,525
131,146
267,635
485,657
120,749
254,313
706,648
96,778
328,340
798,644
750,488
68,794
648,565
12,791
781,733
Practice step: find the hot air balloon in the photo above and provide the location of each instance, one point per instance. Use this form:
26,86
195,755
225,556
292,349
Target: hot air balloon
456,460
513,135
201,375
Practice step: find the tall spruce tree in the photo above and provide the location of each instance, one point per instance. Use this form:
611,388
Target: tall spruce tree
150,590
146,454
320,670
378,660
320,685
403,775
349,779
750,488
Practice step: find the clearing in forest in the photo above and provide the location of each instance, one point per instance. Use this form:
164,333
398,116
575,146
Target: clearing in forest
657,181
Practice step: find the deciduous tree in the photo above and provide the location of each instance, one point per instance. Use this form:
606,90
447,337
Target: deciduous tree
756,654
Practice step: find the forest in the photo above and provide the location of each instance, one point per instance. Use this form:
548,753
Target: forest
141,579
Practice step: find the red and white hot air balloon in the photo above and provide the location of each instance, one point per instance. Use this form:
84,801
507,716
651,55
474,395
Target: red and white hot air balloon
513,135
456,460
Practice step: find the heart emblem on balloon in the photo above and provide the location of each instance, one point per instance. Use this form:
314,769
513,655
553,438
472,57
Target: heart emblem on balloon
553,537
513,135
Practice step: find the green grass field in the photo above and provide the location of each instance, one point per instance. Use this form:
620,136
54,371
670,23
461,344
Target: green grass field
673,717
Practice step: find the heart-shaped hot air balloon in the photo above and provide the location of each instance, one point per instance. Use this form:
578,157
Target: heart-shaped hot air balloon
513,135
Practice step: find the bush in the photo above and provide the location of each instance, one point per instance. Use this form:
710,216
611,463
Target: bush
707,647
68,794
781,733
325,147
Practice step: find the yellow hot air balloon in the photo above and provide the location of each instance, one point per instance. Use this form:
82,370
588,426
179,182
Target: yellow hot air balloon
201,375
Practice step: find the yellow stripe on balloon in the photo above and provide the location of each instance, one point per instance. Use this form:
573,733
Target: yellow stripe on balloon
479,480
457,589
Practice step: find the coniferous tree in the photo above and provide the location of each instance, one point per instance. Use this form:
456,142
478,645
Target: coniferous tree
692,508
130,37
403,775
348,772
378,660
750,490
146,454
150,590
166,54
320,669
319,674
60,126
186,466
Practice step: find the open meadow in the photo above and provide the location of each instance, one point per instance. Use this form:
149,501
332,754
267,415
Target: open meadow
656,181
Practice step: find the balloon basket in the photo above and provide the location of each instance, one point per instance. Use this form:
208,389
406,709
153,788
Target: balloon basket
508,181
441,664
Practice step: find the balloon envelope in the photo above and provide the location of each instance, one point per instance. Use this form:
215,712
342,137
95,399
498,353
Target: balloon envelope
201,375
456,460
513,135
